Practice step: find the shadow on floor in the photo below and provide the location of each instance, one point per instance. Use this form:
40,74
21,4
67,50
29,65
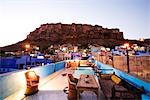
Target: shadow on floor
48,95
60,95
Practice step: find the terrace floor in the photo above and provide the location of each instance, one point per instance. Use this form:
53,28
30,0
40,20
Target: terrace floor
53,88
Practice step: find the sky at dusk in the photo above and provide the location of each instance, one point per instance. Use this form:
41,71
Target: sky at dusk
19,17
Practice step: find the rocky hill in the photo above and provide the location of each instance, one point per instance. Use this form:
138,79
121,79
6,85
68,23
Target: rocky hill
58,34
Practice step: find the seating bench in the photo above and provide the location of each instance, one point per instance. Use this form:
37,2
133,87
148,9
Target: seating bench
135,90
112,88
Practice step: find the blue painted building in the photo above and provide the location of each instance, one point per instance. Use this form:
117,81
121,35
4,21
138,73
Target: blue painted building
8,64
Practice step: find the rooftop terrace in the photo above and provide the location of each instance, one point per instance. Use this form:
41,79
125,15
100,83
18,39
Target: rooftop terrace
53,80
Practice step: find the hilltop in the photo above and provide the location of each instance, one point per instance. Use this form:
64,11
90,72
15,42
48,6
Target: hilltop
75,34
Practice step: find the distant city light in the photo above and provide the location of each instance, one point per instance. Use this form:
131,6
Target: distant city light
32,55
64,49
126,45
40,57
84,51
141,39
103,49
108,49
27,46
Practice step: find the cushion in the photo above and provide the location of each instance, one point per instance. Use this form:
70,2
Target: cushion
115,79
31,75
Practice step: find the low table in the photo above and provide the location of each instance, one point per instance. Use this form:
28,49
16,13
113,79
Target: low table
87,83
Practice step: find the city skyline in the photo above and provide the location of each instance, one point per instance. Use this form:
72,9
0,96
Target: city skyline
19,18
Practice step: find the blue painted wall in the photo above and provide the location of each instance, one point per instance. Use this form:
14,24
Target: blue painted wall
9,62
15,81
14,62
44,71
59,65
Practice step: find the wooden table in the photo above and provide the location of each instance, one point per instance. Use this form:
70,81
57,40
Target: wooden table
87,83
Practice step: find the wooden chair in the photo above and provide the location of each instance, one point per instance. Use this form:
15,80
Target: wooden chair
113,89
118,90
32,81
72,94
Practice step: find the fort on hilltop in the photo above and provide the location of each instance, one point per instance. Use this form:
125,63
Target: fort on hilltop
74,34
74,31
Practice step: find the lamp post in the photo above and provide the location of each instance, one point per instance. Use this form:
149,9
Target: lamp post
126,45
112,59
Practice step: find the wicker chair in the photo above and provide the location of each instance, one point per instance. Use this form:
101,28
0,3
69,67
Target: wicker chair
72,94
32,82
